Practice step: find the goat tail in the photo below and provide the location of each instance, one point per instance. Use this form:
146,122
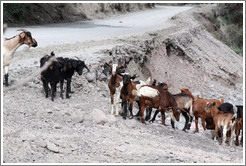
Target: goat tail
148,81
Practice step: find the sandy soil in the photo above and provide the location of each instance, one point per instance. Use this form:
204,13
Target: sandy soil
81,129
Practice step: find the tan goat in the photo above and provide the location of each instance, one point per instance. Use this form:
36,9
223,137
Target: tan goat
226,121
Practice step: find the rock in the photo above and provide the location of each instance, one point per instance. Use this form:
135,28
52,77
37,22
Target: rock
90,77
99,116
52,147
121,148
77,116
57,126
40,142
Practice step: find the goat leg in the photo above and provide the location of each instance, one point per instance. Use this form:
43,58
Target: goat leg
216,132
6,76
68,88
203,123
242,137
231,136
112,103
125,109
46,88
185,114
142,111
130,109
190,121
156,112
139,111
53,86
172,119
61,88
149,111
163,117
196,124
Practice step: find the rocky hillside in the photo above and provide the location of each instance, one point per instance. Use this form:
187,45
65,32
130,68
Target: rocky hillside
44,13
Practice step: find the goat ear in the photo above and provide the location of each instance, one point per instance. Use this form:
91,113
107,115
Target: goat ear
120,74
121,67
108,65
134,76
154,82
22,35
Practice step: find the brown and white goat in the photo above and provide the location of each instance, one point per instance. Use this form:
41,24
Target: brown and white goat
198,111
184,102
223,120
127,92
10,46
115,84
158,98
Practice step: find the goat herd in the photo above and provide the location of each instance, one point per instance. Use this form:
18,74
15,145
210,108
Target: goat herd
148,94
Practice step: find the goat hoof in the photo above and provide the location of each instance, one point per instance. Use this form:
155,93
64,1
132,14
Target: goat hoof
130,117
124,117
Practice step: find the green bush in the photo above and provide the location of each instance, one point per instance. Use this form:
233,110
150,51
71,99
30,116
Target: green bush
230,18
12,11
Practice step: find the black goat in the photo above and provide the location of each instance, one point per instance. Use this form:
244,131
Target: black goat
60,69
69,67
51,75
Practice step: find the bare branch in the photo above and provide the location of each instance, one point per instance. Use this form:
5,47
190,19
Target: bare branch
24,82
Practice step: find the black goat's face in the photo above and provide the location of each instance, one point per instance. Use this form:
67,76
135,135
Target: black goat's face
127,78
79,66
162,85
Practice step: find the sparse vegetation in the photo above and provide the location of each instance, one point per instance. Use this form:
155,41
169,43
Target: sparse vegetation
228,25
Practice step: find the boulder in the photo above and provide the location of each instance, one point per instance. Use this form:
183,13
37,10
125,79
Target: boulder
98,116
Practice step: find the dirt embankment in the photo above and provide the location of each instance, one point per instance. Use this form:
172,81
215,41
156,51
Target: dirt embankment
37,130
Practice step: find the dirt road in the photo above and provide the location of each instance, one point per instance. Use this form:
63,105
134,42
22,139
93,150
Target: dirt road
116,27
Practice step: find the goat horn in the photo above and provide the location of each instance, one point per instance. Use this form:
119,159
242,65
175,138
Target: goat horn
24,30
77,57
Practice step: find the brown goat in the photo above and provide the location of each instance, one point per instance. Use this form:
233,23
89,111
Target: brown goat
239,124
127,91
223,120
158,98
184,102
115,84
198,107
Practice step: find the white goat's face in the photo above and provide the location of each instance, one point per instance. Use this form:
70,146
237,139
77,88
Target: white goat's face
114,69
28,40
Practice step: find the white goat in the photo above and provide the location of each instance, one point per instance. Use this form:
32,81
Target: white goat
10,46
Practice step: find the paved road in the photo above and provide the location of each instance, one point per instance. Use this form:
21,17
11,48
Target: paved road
119,26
